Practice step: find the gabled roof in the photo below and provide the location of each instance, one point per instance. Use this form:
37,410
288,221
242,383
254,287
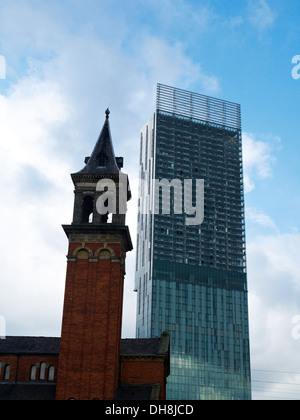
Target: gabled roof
30,345
102,160
50,346
139,347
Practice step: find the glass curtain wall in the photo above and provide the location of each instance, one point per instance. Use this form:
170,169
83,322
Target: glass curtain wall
191,279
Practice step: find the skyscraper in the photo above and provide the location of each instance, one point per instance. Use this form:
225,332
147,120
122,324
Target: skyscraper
191,268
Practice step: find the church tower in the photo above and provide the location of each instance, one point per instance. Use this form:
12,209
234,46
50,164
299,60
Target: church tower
98,241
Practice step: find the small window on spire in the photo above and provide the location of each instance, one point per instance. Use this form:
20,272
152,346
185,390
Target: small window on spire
102,160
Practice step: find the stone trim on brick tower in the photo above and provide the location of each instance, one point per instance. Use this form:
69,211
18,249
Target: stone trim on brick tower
89,360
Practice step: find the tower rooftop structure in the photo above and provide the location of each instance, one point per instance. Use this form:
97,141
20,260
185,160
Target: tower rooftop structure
103,160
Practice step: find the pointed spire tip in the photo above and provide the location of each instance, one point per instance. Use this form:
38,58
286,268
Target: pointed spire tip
107,112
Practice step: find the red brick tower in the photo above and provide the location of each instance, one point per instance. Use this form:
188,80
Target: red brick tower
98,241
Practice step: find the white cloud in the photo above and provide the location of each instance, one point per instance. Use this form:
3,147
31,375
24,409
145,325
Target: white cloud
274,299
257,160
28,114
169,64
262,219
261,15
274,260
33,187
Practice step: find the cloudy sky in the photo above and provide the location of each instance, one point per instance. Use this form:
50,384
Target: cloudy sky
65,62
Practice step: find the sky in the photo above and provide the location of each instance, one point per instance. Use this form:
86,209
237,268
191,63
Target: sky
62,63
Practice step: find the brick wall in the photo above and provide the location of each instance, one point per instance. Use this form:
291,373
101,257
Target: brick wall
144,370
92,321
20,367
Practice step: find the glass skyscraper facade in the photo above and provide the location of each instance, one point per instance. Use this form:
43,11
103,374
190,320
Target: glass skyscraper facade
191,277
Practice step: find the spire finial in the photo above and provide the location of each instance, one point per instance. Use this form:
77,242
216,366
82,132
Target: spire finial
107,112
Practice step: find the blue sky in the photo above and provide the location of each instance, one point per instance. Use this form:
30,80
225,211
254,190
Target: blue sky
66,61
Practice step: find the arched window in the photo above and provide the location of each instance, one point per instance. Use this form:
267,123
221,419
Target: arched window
87,209
43,371
51,373
82,254
33,373
6,373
